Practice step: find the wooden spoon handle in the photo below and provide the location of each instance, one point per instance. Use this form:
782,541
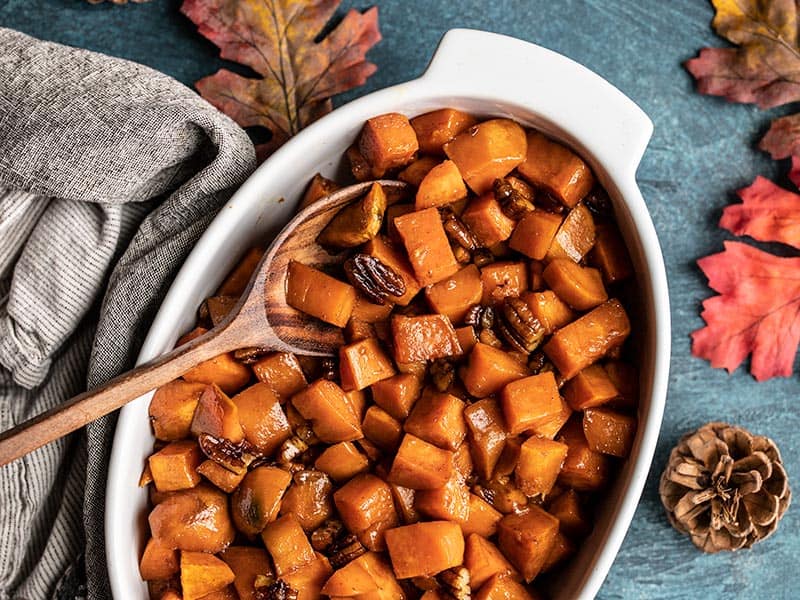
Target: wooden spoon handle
93,404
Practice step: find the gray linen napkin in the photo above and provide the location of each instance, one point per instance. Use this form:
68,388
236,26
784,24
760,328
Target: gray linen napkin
109,172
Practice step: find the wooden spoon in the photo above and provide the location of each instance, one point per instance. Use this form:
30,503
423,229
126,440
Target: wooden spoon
262,319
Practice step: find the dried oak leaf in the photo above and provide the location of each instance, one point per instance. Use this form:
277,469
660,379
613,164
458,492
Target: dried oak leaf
768,213
765,68
757,311
277,39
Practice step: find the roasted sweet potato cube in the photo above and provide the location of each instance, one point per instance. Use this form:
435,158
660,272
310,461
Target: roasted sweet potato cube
359,167
396,395
309,578
487,151
221,477
549,309
571,515
427,246
357,331
608,431
625,378
202,574
529,401
501,587
487,431
503,279
217,416
387,142
580,287
365,311
454,296
584,469
263,421
610,255
258,498
172,408
367,509
575,237
358,402
308,499
434,129
223,370
483,559
342,461
549,427
482,518
382,429
466,339
562,549
159,561
534,233
421,466
442,185
174,467
557,169
363,363
438,418
217,308
540,462
509,457
462,462
489,369
487,221
526,539
282,372
591,387
332,417
413,174
368,577
318,188
404,503
247,563
319,295
196,519
425,337
585,340
449,502
425,549
287,543
380,248
236,282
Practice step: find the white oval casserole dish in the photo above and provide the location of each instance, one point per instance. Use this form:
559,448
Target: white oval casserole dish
479,72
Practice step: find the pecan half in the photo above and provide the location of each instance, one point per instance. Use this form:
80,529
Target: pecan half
234,456
599,203
345,549
501,493
277,590
480,316
512,201
373,278
518,325
443,374
455,583
457,231
323,537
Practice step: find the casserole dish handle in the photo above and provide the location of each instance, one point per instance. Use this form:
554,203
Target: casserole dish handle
568,99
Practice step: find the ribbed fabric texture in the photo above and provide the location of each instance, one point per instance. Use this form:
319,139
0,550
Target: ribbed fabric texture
109,172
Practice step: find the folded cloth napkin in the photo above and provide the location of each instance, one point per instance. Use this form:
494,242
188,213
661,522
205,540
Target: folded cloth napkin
109,173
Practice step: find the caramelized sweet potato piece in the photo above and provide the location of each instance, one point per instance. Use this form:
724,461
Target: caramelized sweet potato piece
359,166
534,233
288,545
482,518
172,409
356,223
466,339
258,498
396,395
462,462
529,401
526,539
342,461
500,587
489,369
509,457
196,519
413,174
575,236
548,428
217,416
438,418
625,378
591,387
367,577
308,499
247,563
263,421
584,469
309,579
387,142
221,477
332,416
487,221
425,337
483,560
454,296
318,188
487,151
571,516
425,549
580,287
217,308
540,462
449,502
582,342
556,168
549,309
610,255
236,282
503,279
382,429
363,363
404,503
202,574
174,467
380,248
319,295
365,311
434,129
487,432
562,549
421,466
427,246
159,561
608,431
442,185
366,507
223,370
282,372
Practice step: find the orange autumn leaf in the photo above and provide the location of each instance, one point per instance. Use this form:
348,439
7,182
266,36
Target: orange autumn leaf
757,311
298,72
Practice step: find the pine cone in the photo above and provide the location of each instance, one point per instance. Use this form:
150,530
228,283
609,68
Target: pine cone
725,487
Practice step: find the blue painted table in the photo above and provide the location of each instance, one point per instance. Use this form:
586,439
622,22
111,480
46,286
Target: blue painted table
701,150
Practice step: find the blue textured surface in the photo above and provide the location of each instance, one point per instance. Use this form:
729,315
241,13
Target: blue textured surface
701,151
